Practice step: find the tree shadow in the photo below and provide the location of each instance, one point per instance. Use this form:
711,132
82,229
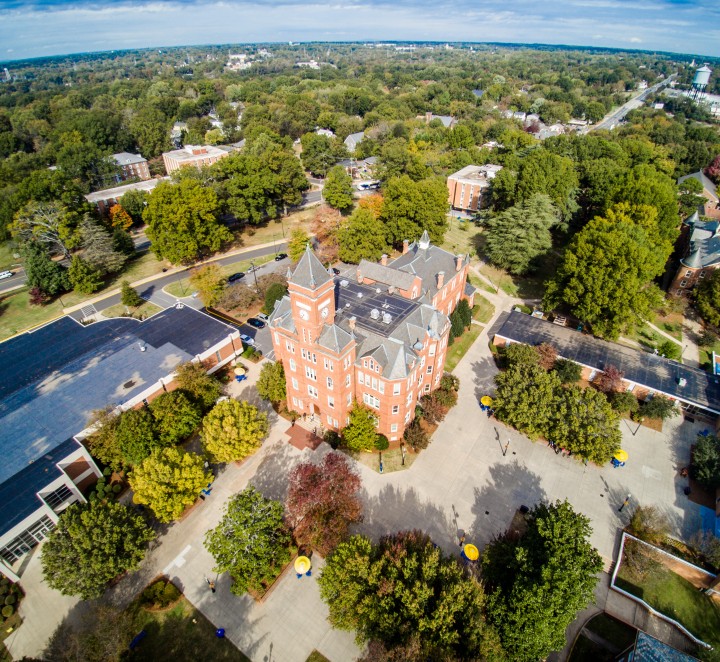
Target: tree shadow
495,504
394,510
484,371
271,477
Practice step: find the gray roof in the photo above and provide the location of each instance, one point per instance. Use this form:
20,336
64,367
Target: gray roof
654,372
53,378
282,314
118,191
703,179
704,249
386,275
334,338
125,158
310,273
355,138
446,120
425,260
469,289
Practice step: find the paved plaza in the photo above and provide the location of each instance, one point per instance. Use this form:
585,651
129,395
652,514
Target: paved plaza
462,481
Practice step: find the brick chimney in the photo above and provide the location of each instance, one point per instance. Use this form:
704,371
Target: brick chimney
458,262
351,323
406,246
440,279
383,260
359,276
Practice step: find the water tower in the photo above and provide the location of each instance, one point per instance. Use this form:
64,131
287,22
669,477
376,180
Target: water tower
700,81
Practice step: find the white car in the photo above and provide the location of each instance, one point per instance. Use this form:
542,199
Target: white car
5,274
247,339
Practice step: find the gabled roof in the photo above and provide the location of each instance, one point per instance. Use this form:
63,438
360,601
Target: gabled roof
706,182
334,338
355,137
704,250
125,158
310,273
282,314
386,275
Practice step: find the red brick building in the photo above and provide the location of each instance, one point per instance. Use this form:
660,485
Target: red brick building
133,166
468,188
701,254
194,155
382,344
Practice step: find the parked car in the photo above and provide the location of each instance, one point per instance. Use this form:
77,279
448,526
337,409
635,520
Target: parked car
247,339
263,317
8,274
258,324
280,256
336,271
237,276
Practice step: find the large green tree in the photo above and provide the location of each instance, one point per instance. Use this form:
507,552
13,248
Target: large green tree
51,224
585,424
209,281
362,236
99,248
410,207
202,388
538,583
271,382
606,274
232,430
338,191
168,481
520,234
136,435
84,278
360,433
297,243
175,417
42,272
92,544
251,543
405,589
319,153
182,221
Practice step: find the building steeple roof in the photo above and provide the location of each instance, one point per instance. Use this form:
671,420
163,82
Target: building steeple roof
309,273
424,242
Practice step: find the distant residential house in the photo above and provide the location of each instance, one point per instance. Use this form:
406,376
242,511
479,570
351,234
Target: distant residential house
701,254
642,85
176,133
709,192
478,93
550,131
194,155
111,196
133,166
467,188
325,132
447,121
353,140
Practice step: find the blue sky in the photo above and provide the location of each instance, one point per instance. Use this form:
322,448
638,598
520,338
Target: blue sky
51,27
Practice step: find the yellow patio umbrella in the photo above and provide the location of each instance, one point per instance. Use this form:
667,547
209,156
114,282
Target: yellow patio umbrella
471,552
302,565
486,400
621,455
239,370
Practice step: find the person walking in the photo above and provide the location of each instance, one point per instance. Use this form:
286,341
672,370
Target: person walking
462,540
212,586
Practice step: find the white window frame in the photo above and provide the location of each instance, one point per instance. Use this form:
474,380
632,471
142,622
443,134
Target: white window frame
397,388
396,409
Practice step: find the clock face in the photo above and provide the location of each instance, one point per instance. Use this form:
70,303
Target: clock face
324,313
303,314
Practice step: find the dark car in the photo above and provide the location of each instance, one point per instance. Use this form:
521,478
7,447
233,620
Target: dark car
258,324
280,256
237,276
336,271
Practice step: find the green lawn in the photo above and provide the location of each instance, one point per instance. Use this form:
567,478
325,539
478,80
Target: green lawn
7,259
461,238
181,634
480,284
483,310
677,598
460,347
141,312
183,288
16,313
317,657
516,286
391,459
706,355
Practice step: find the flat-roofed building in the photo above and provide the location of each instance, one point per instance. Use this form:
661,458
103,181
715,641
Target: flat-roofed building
194,155
468,188
111,196
50,382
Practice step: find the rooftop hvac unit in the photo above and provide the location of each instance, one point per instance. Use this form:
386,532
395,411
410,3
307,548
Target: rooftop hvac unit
387,318
682,382
359,295
378,290
375,313
344,283
347,305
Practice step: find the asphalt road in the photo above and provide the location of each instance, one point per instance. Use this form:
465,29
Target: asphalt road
611,121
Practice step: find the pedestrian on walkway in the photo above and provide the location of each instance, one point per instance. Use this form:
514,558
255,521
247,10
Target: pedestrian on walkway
462,540
212,586
625,503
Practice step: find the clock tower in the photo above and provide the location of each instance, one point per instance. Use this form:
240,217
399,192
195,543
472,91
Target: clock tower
312,296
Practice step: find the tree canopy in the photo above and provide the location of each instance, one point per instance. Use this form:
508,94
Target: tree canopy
202,388
411,207
232,430
182,221
360,433
175,417
271,382
338,191
362,236
92,544
251,543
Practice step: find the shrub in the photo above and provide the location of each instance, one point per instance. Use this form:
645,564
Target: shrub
659,407
160,594
449,382
10,599
382,443
547,355
446,397
434,410
611,379
332,438
416,437
650,525
116,488
669,349
4,589
8,611
569,372
624,401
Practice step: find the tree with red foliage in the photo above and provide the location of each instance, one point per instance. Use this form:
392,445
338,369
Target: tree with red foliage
547,354
713,170
323,501
610,380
